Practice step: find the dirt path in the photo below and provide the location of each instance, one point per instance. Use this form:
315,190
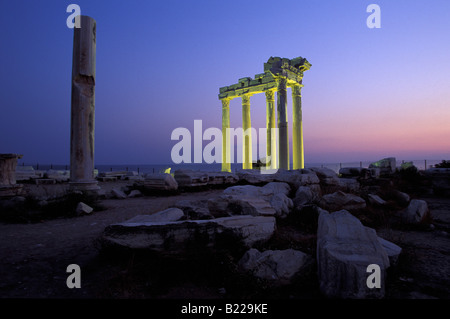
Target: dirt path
34,257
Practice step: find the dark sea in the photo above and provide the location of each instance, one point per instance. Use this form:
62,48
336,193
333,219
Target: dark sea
159,168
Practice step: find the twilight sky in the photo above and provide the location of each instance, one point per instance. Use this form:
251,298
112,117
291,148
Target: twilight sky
370,93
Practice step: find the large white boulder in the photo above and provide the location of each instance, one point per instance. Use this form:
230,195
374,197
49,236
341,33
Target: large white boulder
178,237
345,250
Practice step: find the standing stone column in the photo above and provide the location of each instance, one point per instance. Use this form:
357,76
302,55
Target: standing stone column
247,134
83,107
271,148
283,133
226,158
297,128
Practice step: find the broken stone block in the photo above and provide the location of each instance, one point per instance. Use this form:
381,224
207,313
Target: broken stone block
167,215
327,176
279,267
345,249
282,205
57,175
376,200
254,176
416,212
134,193
82,208
195,209
179,237
227,205
401,198
160,181
119,194
349,185
340,200
189,178
217,178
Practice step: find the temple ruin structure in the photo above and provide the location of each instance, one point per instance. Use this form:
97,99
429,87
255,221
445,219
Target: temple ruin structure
279,74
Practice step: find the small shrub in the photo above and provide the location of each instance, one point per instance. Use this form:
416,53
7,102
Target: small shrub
443,164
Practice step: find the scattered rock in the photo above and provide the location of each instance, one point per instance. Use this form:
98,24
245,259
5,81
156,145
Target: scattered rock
340,200
82,209
227,205
277,188
416,212
195,209
160,181
216,178
134,193
349,185
279,267
296,178
402,198
345,248
254,176
327,176
119,194
376,200
304,196
189,178
282,204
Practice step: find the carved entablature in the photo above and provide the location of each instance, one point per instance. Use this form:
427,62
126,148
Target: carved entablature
291,70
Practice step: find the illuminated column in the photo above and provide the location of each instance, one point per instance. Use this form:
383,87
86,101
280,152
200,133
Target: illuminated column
83,107
283,136
297,128
247,134
226,160
271,149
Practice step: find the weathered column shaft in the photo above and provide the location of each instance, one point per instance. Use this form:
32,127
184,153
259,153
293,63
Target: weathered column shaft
226,158
283,133
8,163
297,128
247,134
271,148
83,106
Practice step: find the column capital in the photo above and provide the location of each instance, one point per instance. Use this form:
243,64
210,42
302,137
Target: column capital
297,89
225,102
270,94
246,98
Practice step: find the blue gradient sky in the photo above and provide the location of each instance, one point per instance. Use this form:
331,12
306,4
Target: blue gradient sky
370,93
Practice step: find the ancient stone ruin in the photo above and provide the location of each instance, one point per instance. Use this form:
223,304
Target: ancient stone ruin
82,130
279,74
